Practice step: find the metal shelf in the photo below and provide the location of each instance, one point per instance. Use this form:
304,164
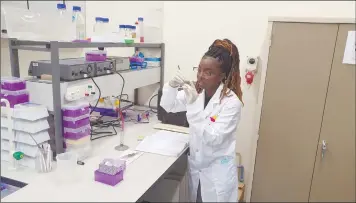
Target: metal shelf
53,47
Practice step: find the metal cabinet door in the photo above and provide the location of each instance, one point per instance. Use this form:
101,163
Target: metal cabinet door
299,64
334,172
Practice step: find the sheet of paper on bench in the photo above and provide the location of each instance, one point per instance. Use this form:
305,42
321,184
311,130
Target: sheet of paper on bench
174,128
165,143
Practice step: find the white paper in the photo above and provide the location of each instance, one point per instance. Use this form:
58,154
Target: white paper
350,49
164,143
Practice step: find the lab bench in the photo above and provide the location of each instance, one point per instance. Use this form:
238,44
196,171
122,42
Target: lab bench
140,176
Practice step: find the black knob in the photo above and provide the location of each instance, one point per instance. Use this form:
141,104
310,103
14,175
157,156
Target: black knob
251,61
89,69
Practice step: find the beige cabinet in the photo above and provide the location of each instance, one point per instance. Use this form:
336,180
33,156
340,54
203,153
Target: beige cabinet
308,99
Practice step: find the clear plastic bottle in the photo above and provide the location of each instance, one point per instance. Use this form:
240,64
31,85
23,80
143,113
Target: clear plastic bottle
122,33
133,33
61,9
129,31
79,21
140,26
98,26
62,22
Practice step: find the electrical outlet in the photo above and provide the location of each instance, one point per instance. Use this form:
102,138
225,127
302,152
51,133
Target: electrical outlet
77,92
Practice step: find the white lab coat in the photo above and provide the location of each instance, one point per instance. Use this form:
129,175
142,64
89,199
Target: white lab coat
212,144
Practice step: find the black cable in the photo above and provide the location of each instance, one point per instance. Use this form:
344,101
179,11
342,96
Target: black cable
111,124
149,103
28,4
97,101
122,88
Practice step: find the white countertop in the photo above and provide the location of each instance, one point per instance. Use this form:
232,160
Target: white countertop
139,176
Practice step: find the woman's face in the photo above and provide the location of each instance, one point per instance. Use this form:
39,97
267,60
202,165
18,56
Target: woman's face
209,73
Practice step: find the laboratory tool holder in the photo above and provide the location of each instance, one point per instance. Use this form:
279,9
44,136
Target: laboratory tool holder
53,48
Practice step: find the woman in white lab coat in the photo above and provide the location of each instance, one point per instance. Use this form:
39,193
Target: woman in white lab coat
213,106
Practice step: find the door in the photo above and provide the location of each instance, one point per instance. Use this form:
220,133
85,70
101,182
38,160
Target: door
334,173
299,64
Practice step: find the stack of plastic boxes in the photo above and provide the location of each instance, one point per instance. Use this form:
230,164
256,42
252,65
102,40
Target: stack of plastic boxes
14,90
76,128
30,128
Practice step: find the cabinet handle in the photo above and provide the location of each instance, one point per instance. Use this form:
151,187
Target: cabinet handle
323,148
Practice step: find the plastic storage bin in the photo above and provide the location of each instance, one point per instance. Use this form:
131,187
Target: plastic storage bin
15,97
69,122
75,110
82,147
75,134
12,84
95,55
109,179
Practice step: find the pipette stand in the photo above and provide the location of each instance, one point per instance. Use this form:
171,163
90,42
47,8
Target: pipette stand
121,147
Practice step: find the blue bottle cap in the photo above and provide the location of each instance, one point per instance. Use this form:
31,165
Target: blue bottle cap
140,18
134,27
77,8
98,19
61,6
121,26
105,20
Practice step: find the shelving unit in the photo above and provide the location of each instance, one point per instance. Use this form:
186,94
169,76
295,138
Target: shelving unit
53,47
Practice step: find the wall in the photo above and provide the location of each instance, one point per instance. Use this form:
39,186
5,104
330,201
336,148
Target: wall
190,28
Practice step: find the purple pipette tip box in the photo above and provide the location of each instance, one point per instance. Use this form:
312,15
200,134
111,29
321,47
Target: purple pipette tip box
109,179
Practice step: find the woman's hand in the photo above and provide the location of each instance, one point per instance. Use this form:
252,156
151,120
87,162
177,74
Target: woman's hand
190,91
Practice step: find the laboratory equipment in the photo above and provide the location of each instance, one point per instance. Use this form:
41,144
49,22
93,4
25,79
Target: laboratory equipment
44,159
96,55
29,126
133,32
122,33
22,134
55,89
110,171
122,63
153,62
128,34
79,21
100,29
73,69
138,61
61,8
25,137
76,122
97,28
15,97
112,166
78,133
82,147
13,162
75,109
12,83
109,179
66,164
141,32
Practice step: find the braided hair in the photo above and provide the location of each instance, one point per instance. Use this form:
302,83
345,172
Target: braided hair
228,55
